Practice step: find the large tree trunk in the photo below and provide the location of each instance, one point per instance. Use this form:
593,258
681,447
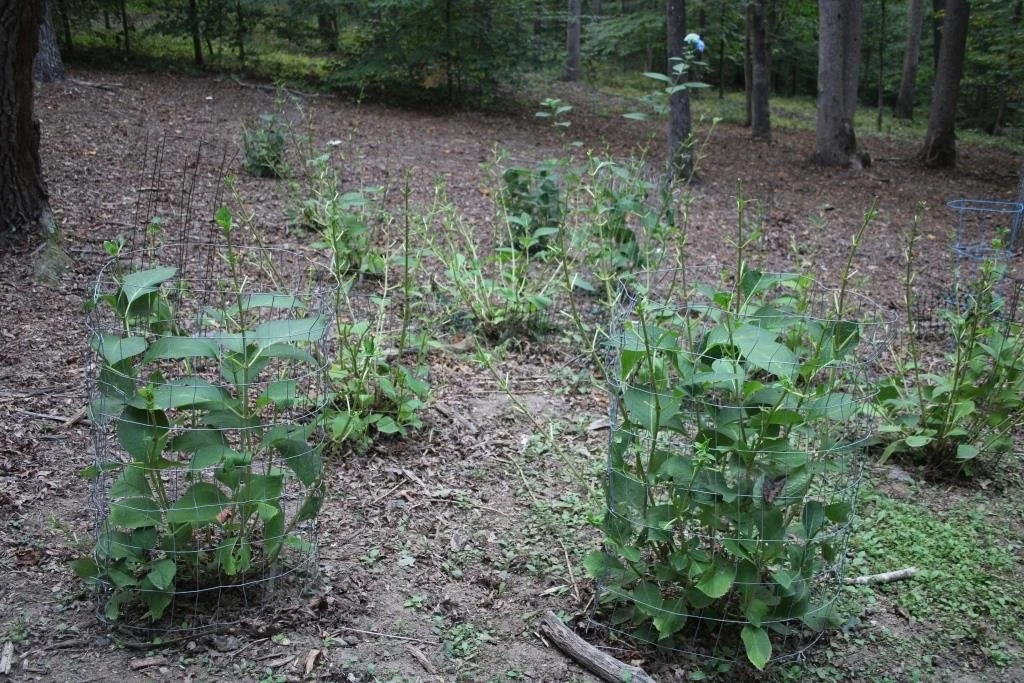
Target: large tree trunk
940,142
24,205
908,82
760,118
680,123
196,30
572,41
838,65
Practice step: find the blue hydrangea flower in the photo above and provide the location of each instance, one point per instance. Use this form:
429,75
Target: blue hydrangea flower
700,46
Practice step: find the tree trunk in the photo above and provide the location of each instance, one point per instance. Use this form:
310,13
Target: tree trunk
680,124
748,68
125,27
760,119
838,64
881,68
195,29
24,204
908,82
721,51
572,41
240,32
327,27
938,6
65,27
940,142
48,64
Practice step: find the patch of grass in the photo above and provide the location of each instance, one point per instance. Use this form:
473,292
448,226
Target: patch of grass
970,584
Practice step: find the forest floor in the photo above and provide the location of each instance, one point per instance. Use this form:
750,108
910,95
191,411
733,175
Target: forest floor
438,552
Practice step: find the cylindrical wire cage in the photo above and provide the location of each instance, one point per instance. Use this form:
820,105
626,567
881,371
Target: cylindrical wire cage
986,228
738,428
207,381
983,277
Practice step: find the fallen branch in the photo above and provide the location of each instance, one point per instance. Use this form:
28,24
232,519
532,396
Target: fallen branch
884,577
6,658
601,664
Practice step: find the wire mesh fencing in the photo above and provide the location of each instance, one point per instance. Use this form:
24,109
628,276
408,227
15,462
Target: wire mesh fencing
207,381
738,428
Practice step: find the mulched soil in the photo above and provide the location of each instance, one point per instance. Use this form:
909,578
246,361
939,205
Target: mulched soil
456,498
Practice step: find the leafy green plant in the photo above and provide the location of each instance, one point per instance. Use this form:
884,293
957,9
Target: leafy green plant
531,200
215,413
951,419
732,464
504,293
341,219
378,377
264,145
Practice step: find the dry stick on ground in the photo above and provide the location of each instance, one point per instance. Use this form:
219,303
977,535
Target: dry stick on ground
601,664
884,577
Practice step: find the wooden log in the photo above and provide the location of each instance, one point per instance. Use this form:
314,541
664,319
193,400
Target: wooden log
601,664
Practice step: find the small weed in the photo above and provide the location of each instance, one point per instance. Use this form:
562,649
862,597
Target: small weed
463,640
415,602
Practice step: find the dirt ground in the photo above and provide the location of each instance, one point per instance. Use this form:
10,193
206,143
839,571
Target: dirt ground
469,521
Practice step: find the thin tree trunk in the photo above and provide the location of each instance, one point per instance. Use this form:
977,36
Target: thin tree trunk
196,30
940,142
327,28
680,162
760,119
572,41
538,30
48,64
748,68
24,204
881,69
240,32
721,51
65,27
911,55
125,28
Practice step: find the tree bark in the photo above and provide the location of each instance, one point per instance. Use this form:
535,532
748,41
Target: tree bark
939,149
680,124
65,26
760,118
938,7
125,27
327,27
195,29
912,53
24,205
48,65
572,41
838,71
748,68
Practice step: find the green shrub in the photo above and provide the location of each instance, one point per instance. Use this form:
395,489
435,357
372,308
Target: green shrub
732,468
220,471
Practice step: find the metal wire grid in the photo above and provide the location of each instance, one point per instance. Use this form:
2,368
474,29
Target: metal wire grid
278,286
831,447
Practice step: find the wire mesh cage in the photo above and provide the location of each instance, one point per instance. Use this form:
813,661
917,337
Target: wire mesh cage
207,379
738,427
986,228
